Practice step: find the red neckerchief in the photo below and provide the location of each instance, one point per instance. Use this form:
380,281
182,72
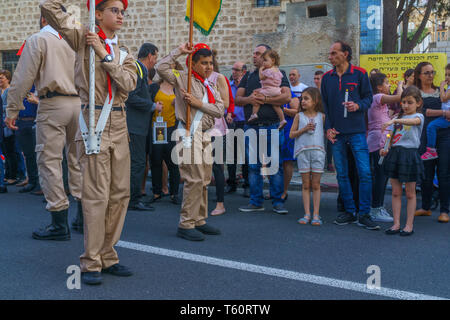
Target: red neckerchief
102,36
19,53
208,89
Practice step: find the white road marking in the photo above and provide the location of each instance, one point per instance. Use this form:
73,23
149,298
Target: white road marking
304,277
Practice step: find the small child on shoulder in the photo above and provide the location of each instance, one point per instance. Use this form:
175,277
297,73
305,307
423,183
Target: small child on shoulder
270,77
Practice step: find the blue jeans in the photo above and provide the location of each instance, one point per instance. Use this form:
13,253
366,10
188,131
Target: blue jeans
21,169
360,151
254,169
2,169
432,128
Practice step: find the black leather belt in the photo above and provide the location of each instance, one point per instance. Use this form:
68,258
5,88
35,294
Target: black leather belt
52,94
101,108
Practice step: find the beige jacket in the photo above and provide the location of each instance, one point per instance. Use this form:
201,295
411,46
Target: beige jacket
123,76
179,81
48,62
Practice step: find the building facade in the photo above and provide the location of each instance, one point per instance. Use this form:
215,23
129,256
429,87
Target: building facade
302,30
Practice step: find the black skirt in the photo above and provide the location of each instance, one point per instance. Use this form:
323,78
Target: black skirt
403,164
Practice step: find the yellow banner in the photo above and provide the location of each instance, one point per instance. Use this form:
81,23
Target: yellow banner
205,14
395,65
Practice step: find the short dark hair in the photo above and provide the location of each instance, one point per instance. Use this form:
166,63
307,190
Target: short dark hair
146,49
265,46
201,53
318,72
447,67
346,47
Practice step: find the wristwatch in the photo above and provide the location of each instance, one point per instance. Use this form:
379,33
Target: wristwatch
107,58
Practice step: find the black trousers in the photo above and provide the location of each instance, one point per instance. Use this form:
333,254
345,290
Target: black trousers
26,136
159,153
137,170
232,181
442,165
379,180
11,159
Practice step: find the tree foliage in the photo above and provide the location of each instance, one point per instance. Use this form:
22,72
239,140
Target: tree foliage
398,13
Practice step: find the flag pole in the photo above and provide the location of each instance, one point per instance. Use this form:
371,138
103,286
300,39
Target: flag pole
189,84
91,136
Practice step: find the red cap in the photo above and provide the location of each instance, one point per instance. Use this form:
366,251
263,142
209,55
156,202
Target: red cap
198,47
97,2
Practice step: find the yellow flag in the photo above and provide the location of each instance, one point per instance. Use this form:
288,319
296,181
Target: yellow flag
205,14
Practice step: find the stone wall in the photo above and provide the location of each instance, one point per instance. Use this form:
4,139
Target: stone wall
302,39
232,36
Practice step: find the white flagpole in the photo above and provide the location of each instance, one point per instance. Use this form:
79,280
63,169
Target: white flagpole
91,137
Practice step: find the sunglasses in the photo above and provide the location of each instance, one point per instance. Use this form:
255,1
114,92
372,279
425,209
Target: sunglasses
237,70
429,73
116,11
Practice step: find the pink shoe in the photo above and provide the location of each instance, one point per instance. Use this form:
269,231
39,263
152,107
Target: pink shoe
217,212
429,155
253,117
282,124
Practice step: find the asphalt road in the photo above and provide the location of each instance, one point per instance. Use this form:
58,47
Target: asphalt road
258,256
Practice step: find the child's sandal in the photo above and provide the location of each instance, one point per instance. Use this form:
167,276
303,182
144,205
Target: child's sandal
316,222
305,220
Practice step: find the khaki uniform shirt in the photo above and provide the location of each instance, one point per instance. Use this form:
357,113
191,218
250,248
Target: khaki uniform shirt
123,76
48,62
179,80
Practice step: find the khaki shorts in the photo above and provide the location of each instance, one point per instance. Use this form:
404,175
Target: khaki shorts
311,161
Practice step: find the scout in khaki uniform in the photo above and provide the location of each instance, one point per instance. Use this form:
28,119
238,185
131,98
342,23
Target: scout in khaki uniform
47,61
106,175
206,106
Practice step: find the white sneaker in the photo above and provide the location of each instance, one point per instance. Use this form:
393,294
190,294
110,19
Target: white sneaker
386,215
380,215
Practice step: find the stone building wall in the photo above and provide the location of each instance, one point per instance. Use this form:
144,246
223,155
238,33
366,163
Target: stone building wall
232,36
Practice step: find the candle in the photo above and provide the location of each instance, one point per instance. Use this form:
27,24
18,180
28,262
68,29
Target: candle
346,100
385,148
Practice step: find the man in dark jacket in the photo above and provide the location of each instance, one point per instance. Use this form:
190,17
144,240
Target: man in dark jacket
347,95
139,105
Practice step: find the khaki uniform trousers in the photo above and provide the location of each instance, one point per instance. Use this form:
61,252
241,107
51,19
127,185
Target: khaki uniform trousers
106,192
56,127
197,176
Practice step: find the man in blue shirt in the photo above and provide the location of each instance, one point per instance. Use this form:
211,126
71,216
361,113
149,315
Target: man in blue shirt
26,134
239,71
347,95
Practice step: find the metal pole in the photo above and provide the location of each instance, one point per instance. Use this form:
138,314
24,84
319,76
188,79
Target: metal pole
191,45
91,137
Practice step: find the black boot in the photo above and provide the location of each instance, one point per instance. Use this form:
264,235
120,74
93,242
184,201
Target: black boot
57,230
77,223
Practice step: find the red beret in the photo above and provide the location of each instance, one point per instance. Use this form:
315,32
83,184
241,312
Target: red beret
97,2
198,47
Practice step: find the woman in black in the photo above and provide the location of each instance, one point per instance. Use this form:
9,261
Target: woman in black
423,79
